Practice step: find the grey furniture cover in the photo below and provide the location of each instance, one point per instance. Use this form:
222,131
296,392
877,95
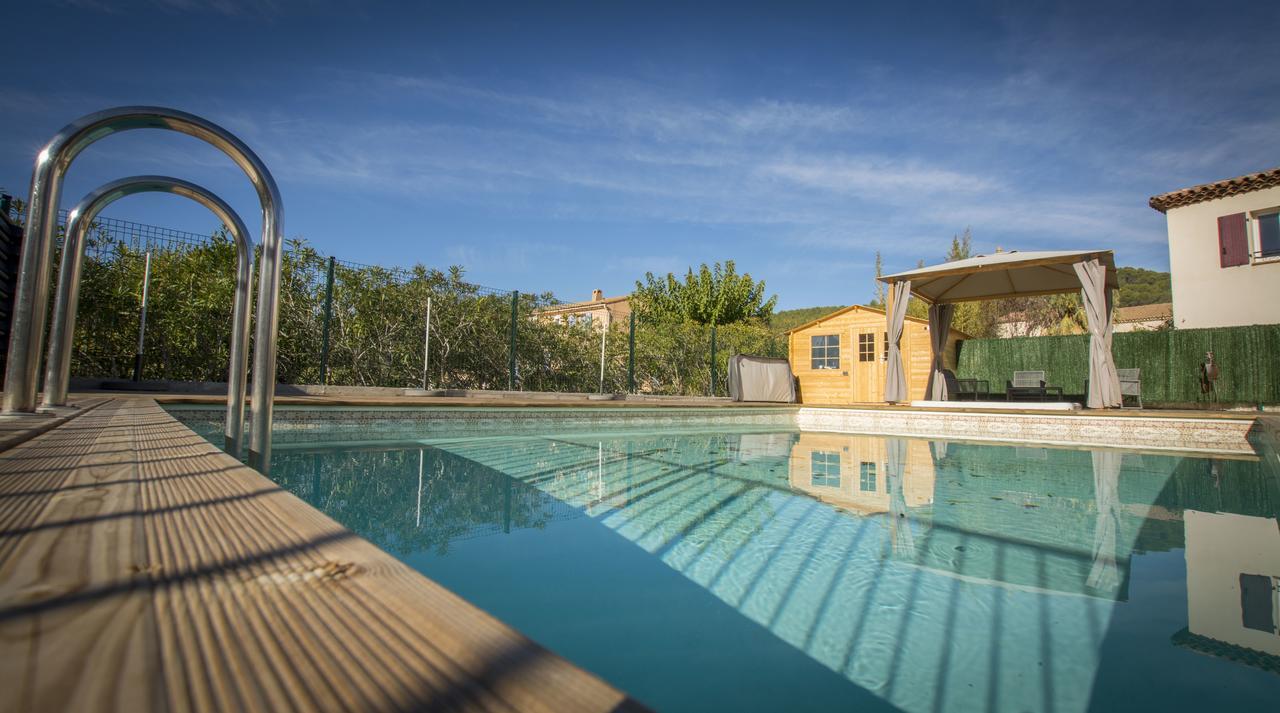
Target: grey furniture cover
754,378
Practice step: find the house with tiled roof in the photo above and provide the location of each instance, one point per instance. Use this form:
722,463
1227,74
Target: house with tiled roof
1143,318
598,311
1224,251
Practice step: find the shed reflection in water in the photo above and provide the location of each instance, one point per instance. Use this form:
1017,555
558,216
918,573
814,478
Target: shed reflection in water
933,574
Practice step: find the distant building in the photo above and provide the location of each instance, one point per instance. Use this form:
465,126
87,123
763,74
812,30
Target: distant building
599,310
1143,318
1015,324
1224,251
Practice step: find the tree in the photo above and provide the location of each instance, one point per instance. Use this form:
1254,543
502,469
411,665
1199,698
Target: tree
714,295
1142,287
880,289
977,319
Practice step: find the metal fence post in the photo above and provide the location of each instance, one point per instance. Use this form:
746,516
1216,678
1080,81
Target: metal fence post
604,333
328,314
511,352
631,356
142,319
426,346
713,360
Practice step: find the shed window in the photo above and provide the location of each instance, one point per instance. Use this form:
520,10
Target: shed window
825,469
824,351
867,347
867,477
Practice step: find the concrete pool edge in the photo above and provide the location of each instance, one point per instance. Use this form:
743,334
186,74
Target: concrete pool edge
206,586
1192,432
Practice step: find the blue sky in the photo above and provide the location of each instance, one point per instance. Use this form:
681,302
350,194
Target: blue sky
577,146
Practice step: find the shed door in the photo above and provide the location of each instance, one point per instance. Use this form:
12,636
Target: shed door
868,367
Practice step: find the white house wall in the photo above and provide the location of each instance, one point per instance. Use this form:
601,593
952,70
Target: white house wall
1206,294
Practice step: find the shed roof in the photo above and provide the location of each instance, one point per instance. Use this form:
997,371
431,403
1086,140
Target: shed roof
1011,274
863,308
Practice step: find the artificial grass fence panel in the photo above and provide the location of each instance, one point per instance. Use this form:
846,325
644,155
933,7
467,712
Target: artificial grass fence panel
1248,361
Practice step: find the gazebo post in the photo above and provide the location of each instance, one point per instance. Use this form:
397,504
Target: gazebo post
939,326
1098,300
895,378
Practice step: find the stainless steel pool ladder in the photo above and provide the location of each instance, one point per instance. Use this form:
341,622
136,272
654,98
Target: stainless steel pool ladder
31,297
67,298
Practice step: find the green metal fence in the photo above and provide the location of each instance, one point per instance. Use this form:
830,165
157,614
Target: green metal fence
1248,360
346,323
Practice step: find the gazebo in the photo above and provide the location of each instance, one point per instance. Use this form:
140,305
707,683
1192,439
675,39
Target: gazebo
1002,275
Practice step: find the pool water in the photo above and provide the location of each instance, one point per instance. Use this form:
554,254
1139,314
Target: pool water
786,571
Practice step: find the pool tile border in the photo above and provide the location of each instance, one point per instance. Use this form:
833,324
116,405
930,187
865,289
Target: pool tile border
1160,433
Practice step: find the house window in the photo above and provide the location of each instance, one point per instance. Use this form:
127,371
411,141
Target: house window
867,477
867,347
1268,235
825,469
824,350
886,346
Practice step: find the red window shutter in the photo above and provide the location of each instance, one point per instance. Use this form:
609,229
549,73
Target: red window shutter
1233,243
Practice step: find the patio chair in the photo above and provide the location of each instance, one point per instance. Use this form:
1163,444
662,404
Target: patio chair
1029,385
957,389
1130,384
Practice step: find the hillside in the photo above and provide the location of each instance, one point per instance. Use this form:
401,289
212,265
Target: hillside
1139,286
785,319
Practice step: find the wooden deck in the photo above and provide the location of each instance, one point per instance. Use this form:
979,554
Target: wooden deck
143,569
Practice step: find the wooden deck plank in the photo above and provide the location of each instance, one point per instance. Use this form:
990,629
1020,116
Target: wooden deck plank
82,540
147,570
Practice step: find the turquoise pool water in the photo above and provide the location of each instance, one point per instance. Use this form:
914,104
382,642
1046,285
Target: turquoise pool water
733,569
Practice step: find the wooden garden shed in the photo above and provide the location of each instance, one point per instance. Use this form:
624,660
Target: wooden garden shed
840,358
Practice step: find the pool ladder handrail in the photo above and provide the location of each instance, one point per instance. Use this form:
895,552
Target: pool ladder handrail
67,297
31,296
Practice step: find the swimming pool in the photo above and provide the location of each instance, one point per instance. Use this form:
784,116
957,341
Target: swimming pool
706,563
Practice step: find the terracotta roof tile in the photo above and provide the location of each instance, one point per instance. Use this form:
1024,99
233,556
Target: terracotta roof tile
1220,189
1143,313
584,305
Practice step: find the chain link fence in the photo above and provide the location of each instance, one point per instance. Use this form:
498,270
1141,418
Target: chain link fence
155,304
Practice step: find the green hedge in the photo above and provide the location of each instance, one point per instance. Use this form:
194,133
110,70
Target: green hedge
1248,362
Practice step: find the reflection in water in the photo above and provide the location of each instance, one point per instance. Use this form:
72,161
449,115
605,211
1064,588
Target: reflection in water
933,574
1233,586
422,499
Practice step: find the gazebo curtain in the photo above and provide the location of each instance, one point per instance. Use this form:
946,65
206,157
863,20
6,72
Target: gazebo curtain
939,328
896,472
1104,382
1104,575
895,378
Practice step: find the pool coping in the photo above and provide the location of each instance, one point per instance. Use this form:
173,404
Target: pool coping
141,568
1192,432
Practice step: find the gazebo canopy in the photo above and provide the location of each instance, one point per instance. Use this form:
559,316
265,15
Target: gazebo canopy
1011,274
